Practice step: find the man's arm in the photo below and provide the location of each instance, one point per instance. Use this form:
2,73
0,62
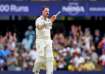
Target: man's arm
39,24
53,18
40,27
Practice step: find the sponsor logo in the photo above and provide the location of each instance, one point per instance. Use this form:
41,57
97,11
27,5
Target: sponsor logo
97,9
73,9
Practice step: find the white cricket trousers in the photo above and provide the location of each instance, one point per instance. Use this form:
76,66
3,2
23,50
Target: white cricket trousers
45,56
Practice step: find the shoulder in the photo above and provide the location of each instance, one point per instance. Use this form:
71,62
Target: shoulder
39,18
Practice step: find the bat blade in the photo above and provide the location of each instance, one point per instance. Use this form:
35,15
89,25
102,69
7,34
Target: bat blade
59,12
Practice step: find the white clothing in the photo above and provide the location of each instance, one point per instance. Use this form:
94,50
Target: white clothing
102,58
33,55
45,32
43,46
78,60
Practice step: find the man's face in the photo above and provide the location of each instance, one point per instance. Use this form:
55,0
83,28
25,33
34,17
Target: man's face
45,12
97,33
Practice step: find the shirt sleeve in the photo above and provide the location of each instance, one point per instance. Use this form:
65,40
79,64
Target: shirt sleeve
39,22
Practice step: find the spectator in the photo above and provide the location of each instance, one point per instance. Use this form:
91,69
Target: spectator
5,52
89,66
11,62
33,54
102,45
87,39
30,34
2,63
102,59
77,59
28,41
61,64
75,48
94,57
97,38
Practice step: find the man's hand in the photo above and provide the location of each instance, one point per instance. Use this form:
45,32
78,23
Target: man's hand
40,27
53,18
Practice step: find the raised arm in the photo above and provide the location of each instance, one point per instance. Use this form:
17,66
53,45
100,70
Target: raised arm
53,18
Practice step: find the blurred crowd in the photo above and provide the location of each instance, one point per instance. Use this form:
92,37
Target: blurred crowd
81,50
15,55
